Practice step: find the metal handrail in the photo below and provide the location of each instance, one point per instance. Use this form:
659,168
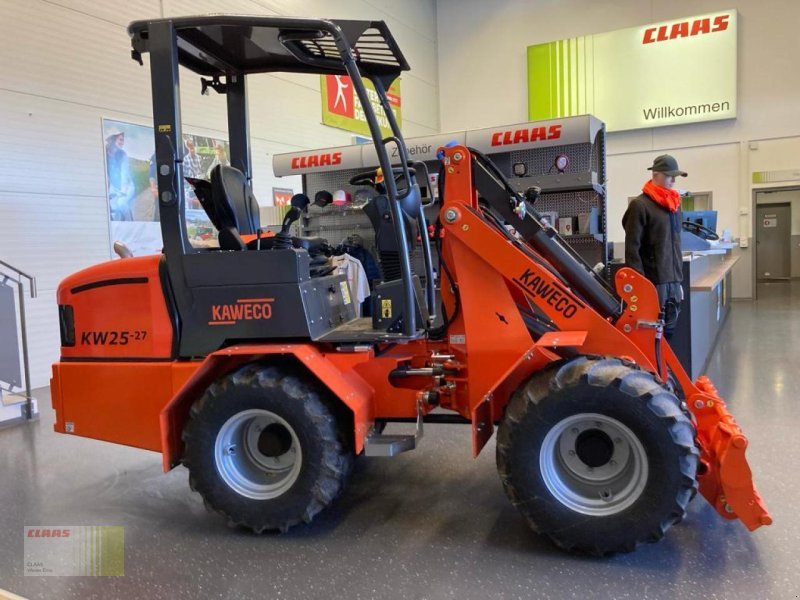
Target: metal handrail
28,409
31,279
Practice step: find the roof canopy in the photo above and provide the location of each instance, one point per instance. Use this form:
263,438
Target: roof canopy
217,45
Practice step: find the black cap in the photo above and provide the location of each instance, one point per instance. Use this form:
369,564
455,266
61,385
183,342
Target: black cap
667,164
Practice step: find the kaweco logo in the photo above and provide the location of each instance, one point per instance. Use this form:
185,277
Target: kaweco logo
246,309
548,292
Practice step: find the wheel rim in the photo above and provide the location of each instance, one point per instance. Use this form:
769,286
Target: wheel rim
258,454
593,464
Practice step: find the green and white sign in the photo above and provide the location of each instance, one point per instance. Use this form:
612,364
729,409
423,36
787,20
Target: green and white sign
342,108
667,73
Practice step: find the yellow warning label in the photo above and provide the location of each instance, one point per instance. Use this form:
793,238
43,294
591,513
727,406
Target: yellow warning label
386,309
164,128
345,292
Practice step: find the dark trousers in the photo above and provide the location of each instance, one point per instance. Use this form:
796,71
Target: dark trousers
669,295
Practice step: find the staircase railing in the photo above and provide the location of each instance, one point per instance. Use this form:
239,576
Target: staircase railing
9,273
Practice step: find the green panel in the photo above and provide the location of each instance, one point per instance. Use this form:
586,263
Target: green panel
359,124
112,551
568,75
540,81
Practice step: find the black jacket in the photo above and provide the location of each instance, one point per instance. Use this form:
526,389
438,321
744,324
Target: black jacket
653,240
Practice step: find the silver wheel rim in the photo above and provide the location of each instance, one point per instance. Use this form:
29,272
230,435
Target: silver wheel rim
593,464
258,454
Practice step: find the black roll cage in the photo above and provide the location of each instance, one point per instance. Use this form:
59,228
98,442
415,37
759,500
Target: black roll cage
230,48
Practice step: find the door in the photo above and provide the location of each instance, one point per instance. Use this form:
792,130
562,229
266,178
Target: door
773,241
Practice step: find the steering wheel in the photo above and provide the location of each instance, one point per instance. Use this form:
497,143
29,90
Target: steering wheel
701,231
368,177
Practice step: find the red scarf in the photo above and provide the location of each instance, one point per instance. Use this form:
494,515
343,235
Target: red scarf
669,199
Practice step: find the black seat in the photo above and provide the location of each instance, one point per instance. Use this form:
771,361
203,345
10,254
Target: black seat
234,207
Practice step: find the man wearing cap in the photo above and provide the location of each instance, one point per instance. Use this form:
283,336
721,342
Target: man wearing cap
653,236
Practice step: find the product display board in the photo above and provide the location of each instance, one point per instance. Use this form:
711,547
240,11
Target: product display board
564,157
620,75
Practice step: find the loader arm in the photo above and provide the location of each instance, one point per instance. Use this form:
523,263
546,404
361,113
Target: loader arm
570,297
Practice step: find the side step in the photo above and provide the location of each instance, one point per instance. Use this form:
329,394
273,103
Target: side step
389,445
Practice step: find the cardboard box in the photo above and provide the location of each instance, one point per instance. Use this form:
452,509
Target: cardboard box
567,225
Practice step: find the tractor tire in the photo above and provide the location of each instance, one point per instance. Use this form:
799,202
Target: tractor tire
266,448
597,456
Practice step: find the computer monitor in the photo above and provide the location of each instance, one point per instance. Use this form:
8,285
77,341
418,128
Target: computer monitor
706,218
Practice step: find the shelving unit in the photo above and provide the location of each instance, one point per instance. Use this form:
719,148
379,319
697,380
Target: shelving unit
579,189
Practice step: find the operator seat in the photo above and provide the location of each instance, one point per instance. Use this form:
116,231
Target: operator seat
234,207
230,204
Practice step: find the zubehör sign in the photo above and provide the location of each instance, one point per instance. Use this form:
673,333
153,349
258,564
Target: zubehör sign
666,73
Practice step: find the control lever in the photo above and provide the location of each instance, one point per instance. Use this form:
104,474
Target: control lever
300,201
283,239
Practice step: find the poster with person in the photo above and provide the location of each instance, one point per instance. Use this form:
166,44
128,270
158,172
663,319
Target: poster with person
132,192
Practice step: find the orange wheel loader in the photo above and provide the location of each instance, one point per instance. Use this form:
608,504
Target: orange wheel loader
249,364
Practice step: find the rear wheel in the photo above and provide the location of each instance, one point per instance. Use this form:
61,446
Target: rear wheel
597,456
266,448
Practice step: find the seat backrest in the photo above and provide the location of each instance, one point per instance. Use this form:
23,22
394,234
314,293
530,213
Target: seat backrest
235,207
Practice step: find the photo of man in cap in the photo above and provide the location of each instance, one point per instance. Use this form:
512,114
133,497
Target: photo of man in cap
653,236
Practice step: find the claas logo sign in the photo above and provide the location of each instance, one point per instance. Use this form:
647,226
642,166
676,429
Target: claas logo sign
246,309
526,135
317,160
684,29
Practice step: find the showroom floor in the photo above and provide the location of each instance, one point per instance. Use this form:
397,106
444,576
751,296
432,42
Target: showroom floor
429,524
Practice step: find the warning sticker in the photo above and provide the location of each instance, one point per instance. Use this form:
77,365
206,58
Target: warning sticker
345,292
386,309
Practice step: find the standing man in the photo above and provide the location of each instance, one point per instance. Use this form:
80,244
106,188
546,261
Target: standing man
653,237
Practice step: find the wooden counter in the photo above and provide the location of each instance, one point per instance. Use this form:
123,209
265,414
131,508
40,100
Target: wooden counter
716,273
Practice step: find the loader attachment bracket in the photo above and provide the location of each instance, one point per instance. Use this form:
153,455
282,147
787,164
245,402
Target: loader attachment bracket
725,478
728,481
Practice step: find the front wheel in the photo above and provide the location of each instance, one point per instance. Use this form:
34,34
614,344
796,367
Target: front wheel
597,455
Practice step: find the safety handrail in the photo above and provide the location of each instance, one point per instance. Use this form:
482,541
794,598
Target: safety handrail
31,279
20,276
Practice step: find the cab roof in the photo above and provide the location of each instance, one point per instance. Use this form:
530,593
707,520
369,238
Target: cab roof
216,45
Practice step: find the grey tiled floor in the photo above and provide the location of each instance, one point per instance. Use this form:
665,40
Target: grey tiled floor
429,524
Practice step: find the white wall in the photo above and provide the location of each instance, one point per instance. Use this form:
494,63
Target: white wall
66,64
483,81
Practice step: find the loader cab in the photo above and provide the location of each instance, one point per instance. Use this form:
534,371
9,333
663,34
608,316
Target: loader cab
214,292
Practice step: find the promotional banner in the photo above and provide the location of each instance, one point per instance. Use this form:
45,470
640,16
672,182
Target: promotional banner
341,107
131,185
667,73
491,140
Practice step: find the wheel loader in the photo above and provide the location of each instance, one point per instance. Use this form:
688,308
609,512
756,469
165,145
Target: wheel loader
250,365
